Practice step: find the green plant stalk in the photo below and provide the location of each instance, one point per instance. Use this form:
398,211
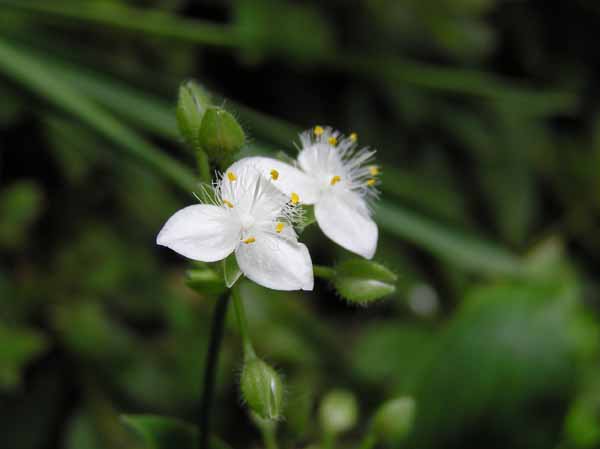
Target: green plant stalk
210,371
37,77
203,167
240,314
268,435
323,272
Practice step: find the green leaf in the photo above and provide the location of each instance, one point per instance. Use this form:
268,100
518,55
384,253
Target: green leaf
510,348
363,281
231,270
159,432
410,345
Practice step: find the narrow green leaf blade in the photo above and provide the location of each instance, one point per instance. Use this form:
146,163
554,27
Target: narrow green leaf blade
468,252
30,72
159,432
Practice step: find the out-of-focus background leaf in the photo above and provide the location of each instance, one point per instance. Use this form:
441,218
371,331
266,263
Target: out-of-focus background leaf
485,117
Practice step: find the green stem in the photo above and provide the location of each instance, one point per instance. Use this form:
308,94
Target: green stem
203,166
240,314
210,371
268,435
324,272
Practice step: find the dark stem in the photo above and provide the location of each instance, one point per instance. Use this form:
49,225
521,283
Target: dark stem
210,370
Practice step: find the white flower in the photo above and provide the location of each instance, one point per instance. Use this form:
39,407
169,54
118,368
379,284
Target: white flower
338,177
250,216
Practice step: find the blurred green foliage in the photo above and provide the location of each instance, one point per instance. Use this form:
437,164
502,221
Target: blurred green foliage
485,115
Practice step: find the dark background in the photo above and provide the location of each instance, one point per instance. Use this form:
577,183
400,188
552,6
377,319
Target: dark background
485,117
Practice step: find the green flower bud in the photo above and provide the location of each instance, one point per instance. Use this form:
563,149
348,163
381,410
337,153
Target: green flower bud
394,419
192,104
338,412
262,389
220,135
363,281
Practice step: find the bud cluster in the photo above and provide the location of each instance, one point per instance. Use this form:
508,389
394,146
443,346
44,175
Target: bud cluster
206,128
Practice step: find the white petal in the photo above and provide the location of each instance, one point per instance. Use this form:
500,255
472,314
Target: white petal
276,262
321,159
289,180
201,232
344,218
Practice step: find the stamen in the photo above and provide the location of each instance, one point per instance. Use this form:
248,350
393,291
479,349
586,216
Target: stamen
274,175
332,141
231,176
374,170
353,137
318,130
371,182
295,199
279,228
228,204
335,180
249,240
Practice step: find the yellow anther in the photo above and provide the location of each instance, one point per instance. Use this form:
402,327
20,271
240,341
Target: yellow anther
374,170
231,176
228,204
318,130
353,137
295,199
274,175
279,228
249,240
335,180
371,182
332,141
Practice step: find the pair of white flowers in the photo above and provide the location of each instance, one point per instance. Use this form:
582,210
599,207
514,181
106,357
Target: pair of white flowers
256,203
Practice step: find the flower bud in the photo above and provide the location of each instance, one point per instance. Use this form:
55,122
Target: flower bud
338,412
394,419
220,134
363,281
262,389
192,104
